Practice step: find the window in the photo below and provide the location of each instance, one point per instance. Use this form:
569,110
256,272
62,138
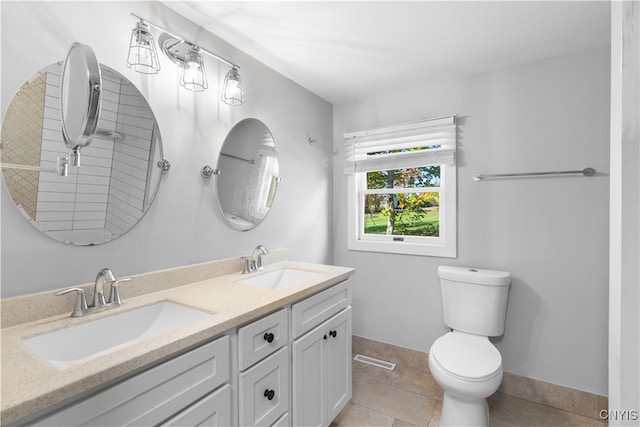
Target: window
402,188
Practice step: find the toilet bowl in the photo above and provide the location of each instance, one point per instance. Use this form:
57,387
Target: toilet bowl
469,369
464,362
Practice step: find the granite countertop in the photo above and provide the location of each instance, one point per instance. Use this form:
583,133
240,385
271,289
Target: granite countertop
30,384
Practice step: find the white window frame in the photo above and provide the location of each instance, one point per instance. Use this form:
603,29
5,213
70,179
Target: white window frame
443,246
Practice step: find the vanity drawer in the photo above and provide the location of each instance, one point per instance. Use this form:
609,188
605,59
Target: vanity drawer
262,337
264,391
152,396
213,410
309,313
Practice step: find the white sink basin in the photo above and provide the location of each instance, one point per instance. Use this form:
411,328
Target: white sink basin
77,344
281,279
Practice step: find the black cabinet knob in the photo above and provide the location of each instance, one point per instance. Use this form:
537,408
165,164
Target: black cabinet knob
269,394
268,337
333,333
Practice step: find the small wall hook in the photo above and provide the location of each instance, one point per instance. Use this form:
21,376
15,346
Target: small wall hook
313,141
207,171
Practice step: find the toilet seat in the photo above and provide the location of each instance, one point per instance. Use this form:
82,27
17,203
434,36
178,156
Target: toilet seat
467,357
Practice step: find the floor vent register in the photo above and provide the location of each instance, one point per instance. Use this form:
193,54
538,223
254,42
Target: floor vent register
375,362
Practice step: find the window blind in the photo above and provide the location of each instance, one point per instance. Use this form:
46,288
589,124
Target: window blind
377,149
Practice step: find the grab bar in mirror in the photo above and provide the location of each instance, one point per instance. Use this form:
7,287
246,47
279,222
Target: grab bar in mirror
252,161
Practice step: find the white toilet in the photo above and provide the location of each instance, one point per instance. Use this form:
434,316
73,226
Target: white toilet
464,362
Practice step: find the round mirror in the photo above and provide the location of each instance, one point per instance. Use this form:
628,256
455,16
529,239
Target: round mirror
80,96
248,174
119,176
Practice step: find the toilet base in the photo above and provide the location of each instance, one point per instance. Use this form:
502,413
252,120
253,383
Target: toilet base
464,412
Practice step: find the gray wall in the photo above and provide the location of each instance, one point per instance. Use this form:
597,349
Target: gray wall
550,233
184,225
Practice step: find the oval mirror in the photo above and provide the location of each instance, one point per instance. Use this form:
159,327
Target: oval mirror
118,179
248,174
80,96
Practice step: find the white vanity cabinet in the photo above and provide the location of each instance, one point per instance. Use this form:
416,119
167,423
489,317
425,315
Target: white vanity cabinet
187,390
291,367
309,368
321,353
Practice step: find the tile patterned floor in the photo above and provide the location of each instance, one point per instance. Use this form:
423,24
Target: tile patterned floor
408,396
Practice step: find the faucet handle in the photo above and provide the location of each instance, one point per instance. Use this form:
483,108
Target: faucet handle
248,265
81,302
115,293
258,263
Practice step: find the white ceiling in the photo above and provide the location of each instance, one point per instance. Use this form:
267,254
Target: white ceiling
344,50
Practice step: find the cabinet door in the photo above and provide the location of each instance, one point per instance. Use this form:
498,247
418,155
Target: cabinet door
338,363
322,372
309,379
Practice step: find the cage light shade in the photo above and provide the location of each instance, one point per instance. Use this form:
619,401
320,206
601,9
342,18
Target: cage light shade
143,56
193,76
232,91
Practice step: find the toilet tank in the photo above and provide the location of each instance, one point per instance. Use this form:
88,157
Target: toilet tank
474,300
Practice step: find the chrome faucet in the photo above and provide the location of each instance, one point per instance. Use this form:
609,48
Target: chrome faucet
254,263
257,256
99,302
104,276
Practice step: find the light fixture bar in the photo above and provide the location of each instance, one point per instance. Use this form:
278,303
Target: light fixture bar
218,57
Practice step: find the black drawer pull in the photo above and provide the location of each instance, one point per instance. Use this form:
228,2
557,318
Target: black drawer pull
269,394
268,337
333,333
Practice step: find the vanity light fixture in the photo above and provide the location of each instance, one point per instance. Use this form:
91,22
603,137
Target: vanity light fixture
143,56
188,57
193,77
232,91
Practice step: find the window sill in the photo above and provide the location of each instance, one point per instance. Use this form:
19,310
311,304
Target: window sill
404,248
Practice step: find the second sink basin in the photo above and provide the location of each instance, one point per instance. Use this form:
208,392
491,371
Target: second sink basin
76,344
282,278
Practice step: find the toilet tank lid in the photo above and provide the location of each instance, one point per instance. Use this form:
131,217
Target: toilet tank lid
474,275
